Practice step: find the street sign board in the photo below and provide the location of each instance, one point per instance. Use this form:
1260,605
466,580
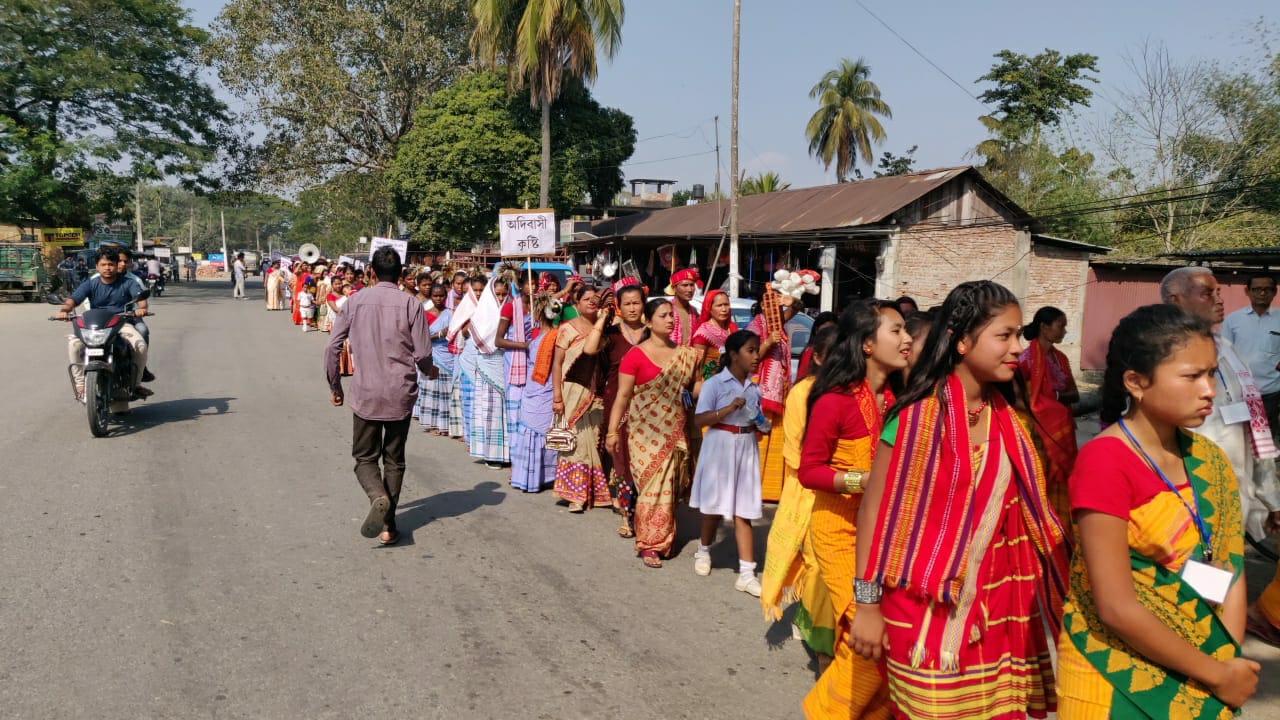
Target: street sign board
523,233
401,246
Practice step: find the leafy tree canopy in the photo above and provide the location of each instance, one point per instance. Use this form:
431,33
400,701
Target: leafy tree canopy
891,164
475,149
333,214
91,88
336,83
765,182
1037,91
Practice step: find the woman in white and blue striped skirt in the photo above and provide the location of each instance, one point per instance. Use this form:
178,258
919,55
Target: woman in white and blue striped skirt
434,395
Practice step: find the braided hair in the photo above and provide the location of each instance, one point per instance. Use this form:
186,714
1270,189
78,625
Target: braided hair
969,308
1143,340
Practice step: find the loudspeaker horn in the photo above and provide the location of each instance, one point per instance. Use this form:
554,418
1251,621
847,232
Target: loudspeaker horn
309,253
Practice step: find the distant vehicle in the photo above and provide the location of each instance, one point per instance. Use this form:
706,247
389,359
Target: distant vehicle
560,270
252,261
22,271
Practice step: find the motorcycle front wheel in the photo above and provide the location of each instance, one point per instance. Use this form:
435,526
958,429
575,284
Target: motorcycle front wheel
97,400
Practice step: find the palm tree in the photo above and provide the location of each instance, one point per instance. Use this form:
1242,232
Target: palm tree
765,182
541,41
845,124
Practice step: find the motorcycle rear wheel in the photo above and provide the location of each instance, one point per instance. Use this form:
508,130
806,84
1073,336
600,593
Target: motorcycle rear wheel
97,400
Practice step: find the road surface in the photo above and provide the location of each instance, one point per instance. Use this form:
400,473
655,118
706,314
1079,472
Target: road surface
205,561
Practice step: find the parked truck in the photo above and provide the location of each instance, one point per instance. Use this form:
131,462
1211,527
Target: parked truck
22,271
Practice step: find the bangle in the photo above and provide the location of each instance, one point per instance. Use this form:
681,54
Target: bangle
853,482
866,593
613,434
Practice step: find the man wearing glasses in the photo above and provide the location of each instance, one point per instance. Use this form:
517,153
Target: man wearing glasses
1255,333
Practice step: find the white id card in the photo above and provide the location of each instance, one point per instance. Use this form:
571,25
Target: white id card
1235,413
1209,582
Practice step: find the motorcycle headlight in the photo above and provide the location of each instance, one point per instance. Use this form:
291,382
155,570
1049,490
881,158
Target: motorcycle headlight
95,337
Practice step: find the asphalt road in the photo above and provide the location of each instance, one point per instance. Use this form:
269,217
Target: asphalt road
204,561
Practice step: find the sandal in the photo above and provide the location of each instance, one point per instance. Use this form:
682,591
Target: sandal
650,559
576,508
395,538
625,532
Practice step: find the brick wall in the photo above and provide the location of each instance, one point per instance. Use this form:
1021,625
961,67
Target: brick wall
928,263
1058,277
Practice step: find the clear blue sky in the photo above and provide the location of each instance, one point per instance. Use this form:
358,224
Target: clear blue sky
673,69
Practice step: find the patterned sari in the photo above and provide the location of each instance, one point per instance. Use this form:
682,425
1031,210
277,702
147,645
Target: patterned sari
1100,675
659,451
1046,373
580,474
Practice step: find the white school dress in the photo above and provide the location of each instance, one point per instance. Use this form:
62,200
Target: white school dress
727,481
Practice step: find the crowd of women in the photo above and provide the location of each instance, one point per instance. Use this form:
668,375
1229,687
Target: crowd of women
936,523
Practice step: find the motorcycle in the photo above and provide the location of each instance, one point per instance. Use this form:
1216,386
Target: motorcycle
155,285
108,363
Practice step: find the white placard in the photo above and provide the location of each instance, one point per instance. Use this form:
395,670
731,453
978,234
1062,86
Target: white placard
527,232
401,246
161,253
346,260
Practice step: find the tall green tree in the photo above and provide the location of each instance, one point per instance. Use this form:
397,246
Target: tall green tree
1033,96
846,122
1034,92
541,42
334,214
474,149
336,83
891,164
93,89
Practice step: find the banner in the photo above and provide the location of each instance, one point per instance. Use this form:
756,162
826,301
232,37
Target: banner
218,260
527,232
63,237
401,246
162,253
346,260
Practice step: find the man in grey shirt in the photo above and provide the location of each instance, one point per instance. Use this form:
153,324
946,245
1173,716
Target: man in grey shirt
390,343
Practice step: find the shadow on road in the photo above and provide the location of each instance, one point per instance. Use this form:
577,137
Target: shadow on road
145,415
453,503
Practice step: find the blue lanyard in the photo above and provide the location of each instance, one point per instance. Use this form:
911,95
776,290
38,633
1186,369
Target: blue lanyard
1195,513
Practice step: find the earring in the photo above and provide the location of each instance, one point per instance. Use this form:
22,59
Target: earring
866,352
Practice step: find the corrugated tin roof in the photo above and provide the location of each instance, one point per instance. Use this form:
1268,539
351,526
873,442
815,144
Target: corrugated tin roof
827,207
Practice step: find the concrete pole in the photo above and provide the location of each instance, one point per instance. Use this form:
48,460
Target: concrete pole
733,160
222,218
137,213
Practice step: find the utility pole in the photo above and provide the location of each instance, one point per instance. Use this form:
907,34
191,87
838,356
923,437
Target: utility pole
733,158
137,212
222,218
717,157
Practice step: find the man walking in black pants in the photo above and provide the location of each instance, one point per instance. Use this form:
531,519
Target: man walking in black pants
390,341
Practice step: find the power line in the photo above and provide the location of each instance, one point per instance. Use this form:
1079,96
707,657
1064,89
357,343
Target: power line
924,57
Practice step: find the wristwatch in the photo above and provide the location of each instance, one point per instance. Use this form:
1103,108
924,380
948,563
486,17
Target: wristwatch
852,482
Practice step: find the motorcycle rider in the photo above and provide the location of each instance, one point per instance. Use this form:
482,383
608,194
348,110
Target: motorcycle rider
155,268
108,290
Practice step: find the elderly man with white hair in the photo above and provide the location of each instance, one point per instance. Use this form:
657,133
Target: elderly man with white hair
1239,421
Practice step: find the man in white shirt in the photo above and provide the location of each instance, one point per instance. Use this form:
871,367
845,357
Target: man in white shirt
237,272
1254,331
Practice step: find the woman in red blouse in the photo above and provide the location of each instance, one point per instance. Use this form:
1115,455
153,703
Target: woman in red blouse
651,381
854,385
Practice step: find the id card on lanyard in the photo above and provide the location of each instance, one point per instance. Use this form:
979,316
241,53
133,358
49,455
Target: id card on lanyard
1210,583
